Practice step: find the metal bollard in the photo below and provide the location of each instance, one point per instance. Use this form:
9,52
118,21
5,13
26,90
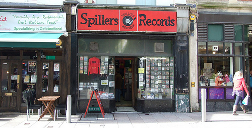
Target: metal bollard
68,112
203,104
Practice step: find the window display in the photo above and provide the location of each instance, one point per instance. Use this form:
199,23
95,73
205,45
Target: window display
159,78
29,74
96,72
155,77
216,71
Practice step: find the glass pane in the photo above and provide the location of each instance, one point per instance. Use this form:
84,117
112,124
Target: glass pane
51,55
215,71
29,75
238,49
123,46
45,74
202,47
29,54
238,32
5,74
56,77
228,48
14,77
9,54
245,33
215,32
159,78
246,50
96,73
215,48
239,63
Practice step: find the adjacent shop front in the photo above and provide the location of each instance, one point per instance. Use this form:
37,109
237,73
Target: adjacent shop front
31,55
138,46
222,50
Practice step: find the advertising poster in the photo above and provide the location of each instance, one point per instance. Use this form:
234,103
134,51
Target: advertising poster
32,66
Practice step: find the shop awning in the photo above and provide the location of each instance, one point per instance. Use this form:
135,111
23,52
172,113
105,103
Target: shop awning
29,40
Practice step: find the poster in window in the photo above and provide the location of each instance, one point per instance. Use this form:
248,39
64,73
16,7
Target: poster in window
32,66
85,70
104,82
147,85
33,78
111,72
111,83
14,77
45,65
27,79
140,77
85,58
56,67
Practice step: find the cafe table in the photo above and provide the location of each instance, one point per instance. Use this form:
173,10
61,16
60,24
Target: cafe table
48,102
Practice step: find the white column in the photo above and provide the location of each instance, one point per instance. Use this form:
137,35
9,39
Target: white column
69,104
203,104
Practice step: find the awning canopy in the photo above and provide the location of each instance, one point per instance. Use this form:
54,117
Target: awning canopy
29,40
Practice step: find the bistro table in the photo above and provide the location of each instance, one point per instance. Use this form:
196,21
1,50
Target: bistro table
48,101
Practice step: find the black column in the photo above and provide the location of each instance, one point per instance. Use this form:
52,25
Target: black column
181,54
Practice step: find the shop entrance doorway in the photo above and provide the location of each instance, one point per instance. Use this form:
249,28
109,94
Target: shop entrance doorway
125,88
10,79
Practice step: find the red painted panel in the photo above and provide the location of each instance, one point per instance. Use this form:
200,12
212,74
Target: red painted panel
158,21
127,20
98,19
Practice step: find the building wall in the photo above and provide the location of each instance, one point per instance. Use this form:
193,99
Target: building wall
218,6
193,70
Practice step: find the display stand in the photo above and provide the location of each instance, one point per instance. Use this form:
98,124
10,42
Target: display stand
98,101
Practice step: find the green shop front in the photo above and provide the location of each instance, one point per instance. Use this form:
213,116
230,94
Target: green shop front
139,46
31,55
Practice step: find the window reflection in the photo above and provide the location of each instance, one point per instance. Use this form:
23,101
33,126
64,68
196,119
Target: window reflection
202,47
56,77
238,49
228,48
215,48
215,71
5,73
14,77
45,74
29,75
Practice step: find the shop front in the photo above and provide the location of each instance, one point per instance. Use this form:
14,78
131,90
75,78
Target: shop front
222,50
128,57
31,55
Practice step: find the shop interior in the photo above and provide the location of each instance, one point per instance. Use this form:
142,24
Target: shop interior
124,68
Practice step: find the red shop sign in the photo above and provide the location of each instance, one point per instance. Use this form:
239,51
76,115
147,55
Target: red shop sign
127,20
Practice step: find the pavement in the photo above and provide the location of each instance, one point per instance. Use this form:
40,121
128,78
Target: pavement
223,119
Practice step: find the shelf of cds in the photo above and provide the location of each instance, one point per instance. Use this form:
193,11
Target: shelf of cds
159,78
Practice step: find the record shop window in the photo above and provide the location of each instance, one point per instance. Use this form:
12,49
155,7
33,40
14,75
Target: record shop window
96,73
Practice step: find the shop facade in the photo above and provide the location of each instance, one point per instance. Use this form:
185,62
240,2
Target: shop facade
147,47
222,50
32,54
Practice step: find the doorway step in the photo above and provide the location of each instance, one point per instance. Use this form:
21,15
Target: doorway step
125,110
